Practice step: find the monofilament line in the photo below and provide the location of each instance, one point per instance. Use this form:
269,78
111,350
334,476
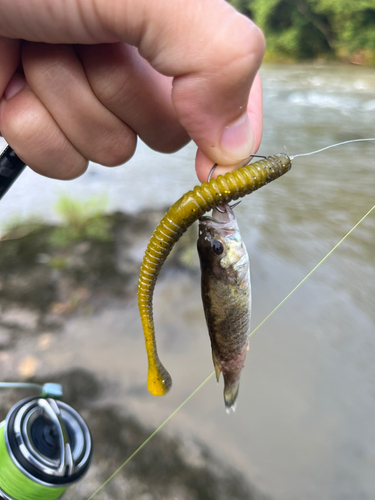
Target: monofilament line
151,436
310,273
212,374
329,147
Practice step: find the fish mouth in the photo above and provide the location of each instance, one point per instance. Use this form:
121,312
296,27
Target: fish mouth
220,216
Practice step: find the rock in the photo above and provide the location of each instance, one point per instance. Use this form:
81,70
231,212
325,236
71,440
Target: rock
21,318
44,341
5,338
27,366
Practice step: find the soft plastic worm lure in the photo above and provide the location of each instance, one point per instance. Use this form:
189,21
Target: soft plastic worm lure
176,221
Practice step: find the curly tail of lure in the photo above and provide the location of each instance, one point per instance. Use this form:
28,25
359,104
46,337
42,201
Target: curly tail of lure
45,446
180,216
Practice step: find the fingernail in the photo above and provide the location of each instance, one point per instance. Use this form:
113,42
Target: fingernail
16,84
237,139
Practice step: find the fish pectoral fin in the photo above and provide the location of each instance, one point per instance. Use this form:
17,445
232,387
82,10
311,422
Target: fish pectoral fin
217,366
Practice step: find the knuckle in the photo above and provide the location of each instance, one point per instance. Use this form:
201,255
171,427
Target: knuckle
116,150
169,142
109,91
55,165
244,40
71,168
23,123
251,43
257,41
41,144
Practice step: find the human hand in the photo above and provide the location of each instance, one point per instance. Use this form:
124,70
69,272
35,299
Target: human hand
97,73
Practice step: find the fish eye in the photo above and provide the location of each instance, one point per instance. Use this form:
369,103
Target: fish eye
217,247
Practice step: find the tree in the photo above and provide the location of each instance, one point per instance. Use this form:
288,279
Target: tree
304,29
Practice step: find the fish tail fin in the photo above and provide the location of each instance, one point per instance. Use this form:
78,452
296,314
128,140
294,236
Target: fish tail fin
230,395
217,366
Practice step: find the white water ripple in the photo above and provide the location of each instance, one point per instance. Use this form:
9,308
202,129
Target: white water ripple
322,100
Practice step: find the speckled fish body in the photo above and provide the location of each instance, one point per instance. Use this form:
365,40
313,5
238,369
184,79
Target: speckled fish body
226,295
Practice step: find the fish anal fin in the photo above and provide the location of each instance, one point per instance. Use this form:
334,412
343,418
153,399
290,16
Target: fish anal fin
217,366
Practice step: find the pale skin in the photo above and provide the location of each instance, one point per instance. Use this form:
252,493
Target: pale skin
89,76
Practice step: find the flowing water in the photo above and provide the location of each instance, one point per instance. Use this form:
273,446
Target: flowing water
304,425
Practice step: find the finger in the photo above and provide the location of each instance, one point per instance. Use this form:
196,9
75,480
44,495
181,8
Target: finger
131,89
33,134
203,164
212,52
56,76
9,60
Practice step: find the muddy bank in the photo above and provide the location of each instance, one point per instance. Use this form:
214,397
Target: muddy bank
51,279
49,270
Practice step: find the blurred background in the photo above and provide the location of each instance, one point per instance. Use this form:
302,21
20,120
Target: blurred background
70,253
309,29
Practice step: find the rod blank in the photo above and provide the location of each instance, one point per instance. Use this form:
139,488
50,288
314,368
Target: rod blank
10,168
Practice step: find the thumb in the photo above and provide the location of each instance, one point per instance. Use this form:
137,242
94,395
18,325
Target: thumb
203,163
221,107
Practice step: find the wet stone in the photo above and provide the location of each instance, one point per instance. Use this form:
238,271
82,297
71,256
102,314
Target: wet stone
28,366
21,318
5,338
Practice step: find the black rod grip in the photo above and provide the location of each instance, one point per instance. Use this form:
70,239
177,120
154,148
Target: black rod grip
10,168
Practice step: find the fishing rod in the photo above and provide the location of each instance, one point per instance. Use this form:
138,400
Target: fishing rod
45,446
10,168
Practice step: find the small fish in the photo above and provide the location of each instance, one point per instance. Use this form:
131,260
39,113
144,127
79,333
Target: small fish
226,295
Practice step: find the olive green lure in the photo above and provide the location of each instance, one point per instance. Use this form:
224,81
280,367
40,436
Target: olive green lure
180,216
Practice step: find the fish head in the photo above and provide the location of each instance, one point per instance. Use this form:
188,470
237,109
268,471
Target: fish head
221,250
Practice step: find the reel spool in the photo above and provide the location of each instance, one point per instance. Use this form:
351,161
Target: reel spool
45,446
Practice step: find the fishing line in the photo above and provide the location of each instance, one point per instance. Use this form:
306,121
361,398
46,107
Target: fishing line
310,273
151,436
329,147
213,373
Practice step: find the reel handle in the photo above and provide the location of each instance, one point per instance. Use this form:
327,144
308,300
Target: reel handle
50,407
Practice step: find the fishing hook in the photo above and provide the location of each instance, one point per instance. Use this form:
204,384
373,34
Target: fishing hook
209,178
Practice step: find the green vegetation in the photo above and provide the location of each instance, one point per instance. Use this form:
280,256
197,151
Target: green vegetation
310,29
81,220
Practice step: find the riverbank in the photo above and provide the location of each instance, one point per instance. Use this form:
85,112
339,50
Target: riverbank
50,275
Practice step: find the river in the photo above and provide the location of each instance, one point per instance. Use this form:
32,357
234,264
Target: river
304,424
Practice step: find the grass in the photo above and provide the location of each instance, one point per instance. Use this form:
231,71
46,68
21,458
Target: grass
81,220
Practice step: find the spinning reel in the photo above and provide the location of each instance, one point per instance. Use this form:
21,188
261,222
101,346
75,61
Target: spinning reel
45,446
